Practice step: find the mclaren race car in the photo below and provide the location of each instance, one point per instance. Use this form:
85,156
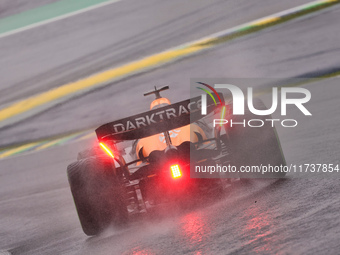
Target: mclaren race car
151,159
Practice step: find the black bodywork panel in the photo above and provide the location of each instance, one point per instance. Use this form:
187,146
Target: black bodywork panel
155,121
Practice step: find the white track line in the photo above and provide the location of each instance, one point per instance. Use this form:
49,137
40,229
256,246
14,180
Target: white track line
41,23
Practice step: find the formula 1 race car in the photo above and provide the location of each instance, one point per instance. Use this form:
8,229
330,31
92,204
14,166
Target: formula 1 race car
149,159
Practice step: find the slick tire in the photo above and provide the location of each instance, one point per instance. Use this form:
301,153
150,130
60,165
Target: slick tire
98,194
253,147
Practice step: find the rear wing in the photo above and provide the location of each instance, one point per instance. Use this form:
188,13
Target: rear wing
155,121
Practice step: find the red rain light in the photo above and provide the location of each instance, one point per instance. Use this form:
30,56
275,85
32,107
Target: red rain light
176,171
107,150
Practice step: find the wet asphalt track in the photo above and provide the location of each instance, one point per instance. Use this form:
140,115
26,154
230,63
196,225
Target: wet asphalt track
291,216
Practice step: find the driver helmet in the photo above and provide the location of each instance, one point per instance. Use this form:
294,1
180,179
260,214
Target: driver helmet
159,102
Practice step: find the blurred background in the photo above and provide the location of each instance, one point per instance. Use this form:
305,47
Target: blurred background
49,108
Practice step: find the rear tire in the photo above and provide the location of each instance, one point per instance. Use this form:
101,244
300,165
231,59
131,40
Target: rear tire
98,194
91,152
255,146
